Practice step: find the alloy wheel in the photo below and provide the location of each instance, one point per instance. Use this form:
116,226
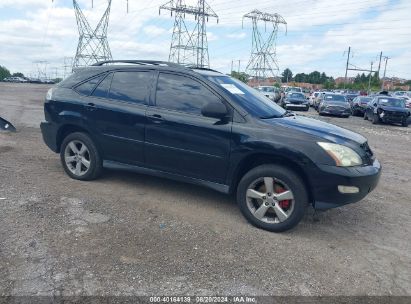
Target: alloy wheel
270,200
77,157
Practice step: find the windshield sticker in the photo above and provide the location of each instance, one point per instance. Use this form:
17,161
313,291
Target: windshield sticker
232,88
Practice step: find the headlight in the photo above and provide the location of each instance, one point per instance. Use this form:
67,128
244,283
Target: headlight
382,114
342,155
49,95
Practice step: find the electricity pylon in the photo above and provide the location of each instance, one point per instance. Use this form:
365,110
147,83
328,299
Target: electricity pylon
189,48
92,44
263,60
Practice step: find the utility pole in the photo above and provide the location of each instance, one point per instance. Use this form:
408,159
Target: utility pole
263,60
369,80
346,67
232,63
239,63
385,70
379,65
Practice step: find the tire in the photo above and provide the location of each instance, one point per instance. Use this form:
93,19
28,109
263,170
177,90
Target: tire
375,119
404,123
307,108
282,177
91,156
365,116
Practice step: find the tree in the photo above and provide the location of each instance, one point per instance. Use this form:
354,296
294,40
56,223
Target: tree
300,77
287,75
240,76
4,72
18,74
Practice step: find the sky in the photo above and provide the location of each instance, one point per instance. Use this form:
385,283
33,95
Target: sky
318,33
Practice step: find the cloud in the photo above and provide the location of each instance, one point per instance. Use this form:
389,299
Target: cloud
318,32
237,35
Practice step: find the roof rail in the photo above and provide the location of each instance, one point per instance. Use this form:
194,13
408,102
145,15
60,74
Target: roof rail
192,67
140,62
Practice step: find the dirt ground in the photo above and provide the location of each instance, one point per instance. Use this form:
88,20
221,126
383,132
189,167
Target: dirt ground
130,234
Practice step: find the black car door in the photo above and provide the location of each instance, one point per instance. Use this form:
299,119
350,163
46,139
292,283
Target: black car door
178,138
117,111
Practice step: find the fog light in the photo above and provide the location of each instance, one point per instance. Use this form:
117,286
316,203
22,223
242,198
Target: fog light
348,189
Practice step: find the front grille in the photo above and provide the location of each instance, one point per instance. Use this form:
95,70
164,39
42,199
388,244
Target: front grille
335,108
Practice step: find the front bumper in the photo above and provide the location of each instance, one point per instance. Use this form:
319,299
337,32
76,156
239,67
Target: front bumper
326,180
393,118
335,112
358,108
296,106
49,132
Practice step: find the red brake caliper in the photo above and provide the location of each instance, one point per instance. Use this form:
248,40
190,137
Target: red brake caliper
285,203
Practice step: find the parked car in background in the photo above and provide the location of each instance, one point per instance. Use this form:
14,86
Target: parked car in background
293,89
15,79
319,98
334,104
312,98
350,97
294,100
387,109
359,104
203,127
399,93
271,92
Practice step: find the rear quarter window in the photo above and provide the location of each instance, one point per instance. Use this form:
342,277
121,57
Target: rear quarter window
87,87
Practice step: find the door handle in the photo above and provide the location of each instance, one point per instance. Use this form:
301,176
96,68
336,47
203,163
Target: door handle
156,118
91,106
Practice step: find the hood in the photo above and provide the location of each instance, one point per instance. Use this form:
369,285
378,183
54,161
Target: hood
394,109
319,128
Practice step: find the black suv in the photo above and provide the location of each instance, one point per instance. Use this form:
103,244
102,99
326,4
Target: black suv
204,127
387,109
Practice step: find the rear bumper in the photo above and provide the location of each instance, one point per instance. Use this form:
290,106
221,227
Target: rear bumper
328,178
49,132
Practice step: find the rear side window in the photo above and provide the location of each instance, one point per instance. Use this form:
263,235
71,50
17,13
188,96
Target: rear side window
87,87
183,94
104,86
130,86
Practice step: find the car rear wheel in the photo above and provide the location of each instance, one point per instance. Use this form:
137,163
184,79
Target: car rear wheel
80,157
272,197
365,116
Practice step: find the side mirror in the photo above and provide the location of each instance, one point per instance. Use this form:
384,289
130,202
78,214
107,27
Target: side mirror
215,110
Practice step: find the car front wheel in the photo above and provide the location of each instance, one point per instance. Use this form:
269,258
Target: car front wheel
272,197
80,157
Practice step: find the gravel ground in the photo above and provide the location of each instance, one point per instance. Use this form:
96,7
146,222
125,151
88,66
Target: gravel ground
129,234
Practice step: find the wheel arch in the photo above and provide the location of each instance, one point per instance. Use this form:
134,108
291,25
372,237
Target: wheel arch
67,129
257,159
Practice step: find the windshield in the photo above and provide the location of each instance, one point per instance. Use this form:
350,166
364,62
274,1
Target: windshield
365,99
293,90
391,102
266,89
253,102
334,97
295,95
